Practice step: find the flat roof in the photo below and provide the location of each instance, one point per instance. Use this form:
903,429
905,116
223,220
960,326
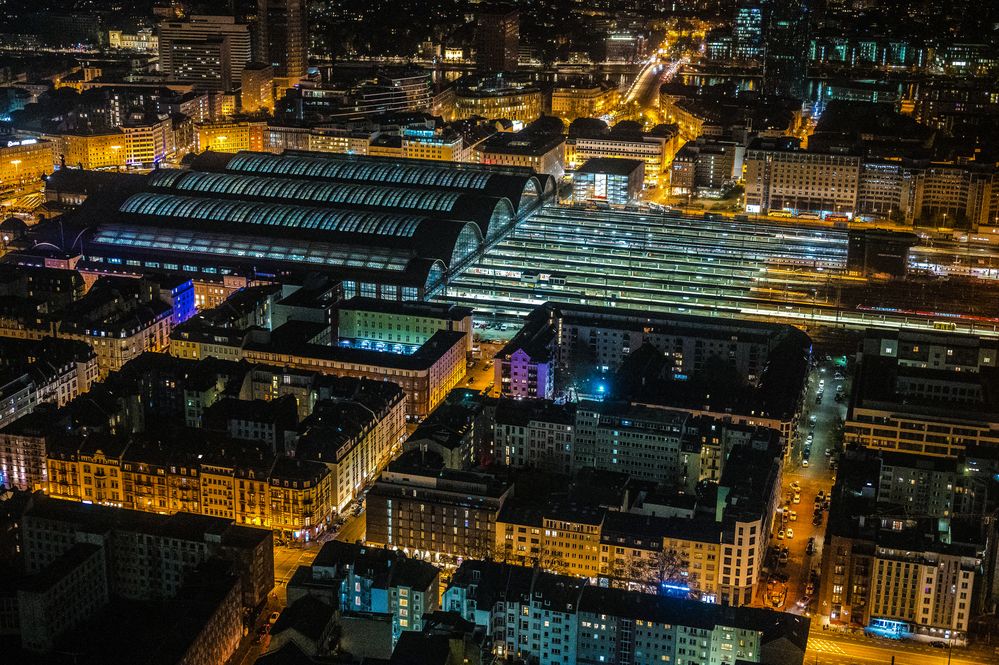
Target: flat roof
611,165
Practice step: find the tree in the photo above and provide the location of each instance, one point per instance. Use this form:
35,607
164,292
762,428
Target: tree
667,566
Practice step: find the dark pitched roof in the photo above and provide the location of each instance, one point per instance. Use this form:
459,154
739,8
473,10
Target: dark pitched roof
308,615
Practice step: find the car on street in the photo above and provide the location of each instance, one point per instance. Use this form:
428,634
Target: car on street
938,645
272,619
797,498
804,463
817,520
780,534
804,601
839,376
810,547
783,556
796,486
789,533
793,516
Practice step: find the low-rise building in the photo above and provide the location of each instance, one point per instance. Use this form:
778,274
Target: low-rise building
368,580
611,181
542,153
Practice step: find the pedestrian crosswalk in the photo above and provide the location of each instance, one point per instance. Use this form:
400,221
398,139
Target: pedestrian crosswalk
825,646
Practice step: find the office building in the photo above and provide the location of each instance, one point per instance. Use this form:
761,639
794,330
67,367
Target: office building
747,30
91,150
786,48
361,318
149,139
230,136
584,623
207,51
781,177
256,89
93,570
656,148
539,152
282,38
493,96
611,181
706,167
924,393
22,165
52,527
583,99
497,40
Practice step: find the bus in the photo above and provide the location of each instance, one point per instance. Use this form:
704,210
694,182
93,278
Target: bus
780,213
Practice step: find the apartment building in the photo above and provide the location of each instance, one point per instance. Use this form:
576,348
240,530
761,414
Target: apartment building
368,580
535,433
556,619
48,371
422,510
525,367
892,569
924,393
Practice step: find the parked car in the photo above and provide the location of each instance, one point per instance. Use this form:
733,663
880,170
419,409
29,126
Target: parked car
272,619
793,516
780,534
817,520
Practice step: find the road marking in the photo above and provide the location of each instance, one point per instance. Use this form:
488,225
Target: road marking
824,646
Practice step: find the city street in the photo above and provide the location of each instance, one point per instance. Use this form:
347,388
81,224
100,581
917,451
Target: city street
831,648
815,478
286,561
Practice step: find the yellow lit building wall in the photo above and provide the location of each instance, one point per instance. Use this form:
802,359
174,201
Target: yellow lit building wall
230,136
22,165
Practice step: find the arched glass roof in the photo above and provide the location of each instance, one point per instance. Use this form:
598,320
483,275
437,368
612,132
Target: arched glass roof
493,214
249,186
223,244
364,171
272,214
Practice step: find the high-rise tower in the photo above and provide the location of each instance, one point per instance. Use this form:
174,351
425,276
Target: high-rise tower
786,48
283,38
